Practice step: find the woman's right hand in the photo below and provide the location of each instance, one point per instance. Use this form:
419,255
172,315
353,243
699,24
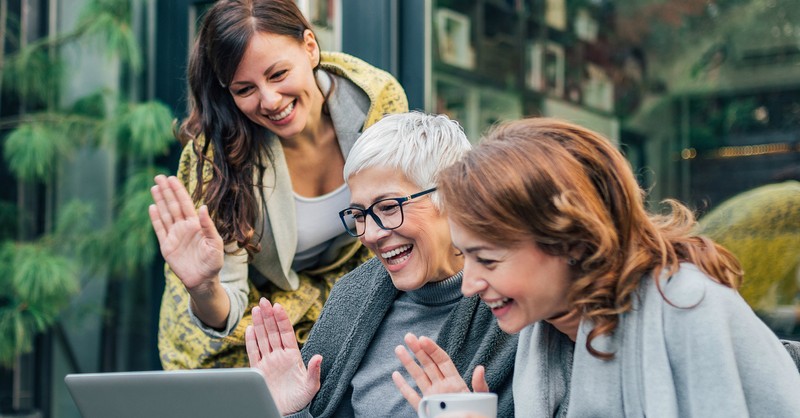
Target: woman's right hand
188,239
272,348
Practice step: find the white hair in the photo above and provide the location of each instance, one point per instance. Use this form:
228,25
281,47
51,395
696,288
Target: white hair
417,144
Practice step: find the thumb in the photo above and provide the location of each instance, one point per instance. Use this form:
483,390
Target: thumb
479,380
207,225
314,372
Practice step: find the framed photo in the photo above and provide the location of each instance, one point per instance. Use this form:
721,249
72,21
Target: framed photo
546,68
453,32
556,14
586,27
598,89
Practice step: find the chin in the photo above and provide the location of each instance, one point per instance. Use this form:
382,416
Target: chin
406,284
511,327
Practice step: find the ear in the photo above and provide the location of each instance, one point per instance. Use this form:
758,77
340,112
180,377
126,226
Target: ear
311,46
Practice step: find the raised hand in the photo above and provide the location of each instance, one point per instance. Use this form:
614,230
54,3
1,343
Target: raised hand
435,372
272,348
188,239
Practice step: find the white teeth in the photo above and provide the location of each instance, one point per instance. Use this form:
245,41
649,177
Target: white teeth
283,114
498,303
396,251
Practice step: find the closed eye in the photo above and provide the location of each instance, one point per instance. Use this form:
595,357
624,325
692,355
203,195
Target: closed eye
244,91
278,75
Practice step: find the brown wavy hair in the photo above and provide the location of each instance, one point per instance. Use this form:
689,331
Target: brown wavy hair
573,192
240,147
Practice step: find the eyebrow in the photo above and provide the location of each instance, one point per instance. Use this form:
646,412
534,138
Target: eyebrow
267,71
476,248
377,198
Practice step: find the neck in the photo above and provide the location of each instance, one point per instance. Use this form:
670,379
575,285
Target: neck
567,322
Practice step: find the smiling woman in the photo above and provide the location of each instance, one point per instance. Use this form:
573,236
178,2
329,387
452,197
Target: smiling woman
411,287
619,312
271,125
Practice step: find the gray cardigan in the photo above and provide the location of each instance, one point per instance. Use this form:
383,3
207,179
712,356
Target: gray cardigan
355,310
701,352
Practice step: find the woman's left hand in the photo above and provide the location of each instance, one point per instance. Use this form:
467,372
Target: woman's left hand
435,372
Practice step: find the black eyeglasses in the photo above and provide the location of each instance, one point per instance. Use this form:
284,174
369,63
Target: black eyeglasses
387,214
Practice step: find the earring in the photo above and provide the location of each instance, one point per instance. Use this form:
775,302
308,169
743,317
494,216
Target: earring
572,261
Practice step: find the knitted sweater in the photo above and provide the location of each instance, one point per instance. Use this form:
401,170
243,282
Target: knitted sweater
700,352
354,313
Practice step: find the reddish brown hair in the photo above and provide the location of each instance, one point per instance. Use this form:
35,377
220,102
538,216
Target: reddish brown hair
573,192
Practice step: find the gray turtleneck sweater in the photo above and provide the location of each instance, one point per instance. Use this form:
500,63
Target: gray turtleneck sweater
366,317
422,312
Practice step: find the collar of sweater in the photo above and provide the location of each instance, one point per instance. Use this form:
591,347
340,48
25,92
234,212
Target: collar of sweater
442,292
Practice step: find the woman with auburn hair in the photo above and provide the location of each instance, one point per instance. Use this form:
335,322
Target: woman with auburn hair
619,312
272,121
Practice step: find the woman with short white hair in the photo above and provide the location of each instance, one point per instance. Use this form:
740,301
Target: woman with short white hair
412,287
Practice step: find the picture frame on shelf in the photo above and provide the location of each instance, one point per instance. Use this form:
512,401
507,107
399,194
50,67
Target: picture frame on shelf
545,69
598,89
453,31
555,14
553,69
586,27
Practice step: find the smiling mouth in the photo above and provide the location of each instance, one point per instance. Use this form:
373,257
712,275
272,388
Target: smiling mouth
283,114
498,303
398,255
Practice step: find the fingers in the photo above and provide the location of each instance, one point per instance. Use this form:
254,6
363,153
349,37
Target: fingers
411,395
479,380
161,206
184,201
253,353
158,226
431,368
261,332
414,370
439,357
166,194
285,329
270,324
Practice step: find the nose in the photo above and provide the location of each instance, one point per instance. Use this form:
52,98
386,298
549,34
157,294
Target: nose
372,232
269,99
471,283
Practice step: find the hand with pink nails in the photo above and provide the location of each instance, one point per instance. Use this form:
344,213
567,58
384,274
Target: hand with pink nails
272,348
435,372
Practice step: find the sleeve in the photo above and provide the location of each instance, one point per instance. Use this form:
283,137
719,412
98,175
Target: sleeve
724,360
234,273
304,413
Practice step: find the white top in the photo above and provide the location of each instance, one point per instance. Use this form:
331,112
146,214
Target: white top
318,224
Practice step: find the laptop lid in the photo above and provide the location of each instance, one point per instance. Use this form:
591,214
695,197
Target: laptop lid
210,393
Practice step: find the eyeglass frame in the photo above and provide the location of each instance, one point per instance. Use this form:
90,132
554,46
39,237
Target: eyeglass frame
368,211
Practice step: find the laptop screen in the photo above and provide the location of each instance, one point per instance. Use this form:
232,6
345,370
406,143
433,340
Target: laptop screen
210,393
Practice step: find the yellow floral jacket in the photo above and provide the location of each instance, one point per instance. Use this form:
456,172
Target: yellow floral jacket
184,345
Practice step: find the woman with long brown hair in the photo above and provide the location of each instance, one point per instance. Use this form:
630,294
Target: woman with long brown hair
619,312
272,122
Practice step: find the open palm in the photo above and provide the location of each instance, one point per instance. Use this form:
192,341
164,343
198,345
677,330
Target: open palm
272,348
435,372
188,239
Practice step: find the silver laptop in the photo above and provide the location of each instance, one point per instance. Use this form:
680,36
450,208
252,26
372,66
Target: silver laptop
212,393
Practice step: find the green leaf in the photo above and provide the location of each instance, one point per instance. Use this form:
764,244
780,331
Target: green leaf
73,227
108,22
150,127
43,281
34,74
31,150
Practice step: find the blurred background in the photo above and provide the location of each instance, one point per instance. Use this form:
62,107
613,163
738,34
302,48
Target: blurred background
703,97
